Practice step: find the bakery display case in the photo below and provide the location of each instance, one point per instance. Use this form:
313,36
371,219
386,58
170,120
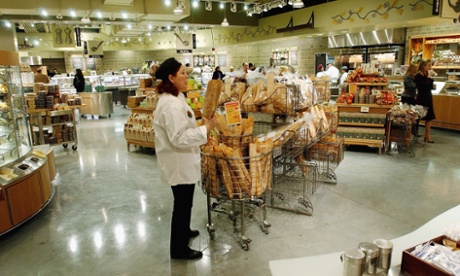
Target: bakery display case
25,173
14,131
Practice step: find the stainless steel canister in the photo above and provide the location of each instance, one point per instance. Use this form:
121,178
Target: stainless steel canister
352,262
372,254
385,248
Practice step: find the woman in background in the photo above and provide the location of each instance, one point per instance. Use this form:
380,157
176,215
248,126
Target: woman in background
177,145
410,88
410,91
79,81
218,75
424,84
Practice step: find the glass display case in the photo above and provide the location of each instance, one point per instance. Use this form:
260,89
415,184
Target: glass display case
109,82
14,131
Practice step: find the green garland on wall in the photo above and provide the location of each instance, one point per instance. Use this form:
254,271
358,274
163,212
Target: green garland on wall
237,37
382,10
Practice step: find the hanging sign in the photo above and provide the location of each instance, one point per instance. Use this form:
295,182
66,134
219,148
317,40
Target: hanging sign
232,109
78,36
184,43
63,36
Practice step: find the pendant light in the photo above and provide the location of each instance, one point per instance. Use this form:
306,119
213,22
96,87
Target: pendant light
298,4
225,22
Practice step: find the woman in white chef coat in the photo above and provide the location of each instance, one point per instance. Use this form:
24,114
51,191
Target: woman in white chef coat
177,145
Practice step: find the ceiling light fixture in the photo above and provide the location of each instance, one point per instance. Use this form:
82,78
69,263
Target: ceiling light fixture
195,4
179,9
225,22
298,4
112,17
124,15
72,13
44,13
99,14
59,15
168,3
290,2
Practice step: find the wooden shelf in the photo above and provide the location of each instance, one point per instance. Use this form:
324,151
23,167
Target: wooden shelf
445,67
364,142
360,124
140,143
369,83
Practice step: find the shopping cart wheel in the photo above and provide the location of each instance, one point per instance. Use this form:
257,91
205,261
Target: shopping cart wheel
245,243
265,226
211,231
64,146
74,147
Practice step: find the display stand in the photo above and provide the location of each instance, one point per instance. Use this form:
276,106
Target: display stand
138,130
354,129
63,125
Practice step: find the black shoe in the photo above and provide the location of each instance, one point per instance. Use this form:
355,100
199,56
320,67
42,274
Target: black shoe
193,233
191,255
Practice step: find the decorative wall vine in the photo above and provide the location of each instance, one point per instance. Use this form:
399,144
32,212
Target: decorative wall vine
419,5
237,37
382,10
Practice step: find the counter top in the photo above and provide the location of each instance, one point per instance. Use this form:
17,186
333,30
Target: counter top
329,264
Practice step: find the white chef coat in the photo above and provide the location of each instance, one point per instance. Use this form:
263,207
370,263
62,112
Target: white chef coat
177,140
343,78
333,73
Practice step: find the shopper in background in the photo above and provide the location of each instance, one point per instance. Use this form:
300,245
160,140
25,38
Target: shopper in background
321,72
424,84
40,77
252,66
177,146
218,75
79,81
333,73
410,90
344,76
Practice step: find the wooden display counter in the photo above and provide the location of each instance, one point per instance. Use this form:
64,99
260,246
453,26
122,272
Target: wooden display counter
447,111
26,196
136,130
372,109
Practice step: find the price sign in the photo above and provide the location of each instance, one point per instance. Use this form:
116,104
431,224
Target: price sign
364,109
232,109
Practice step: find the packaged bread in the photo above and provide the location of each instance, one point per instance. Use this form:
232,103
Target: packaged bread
260,166
211,98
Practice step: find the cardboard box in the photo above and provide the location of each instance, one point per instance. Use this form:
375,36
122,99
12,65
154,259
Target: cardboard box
411,265
144,83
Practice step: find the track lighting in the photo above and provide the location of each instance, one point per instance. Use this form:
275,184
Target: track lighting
225,22
298,4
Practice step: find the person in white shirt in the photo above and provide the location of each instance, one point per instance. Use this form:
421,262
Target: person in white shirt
333,73
321,72
344,76
177,145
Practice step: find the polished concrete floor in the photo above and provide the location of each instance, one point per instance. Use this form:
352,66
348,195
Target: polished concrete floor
111,214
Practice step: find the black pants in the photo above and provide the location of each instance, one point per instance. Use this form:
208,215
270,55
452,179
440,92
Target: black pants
181,216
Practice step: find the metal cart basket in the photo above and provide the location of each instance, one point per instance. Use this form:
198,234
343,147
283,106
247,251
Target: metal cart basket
239,180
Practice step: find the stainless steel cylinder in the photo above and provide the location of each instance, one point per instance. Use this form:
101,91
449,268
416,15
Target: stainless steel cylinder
385,248
371,252
352,262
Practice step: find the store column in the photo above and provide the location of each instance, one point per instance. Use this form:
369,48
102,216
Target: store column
9,44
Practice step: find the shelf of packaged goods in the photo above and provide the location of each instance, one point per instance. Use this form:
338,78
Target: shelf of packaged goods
364,142
361,124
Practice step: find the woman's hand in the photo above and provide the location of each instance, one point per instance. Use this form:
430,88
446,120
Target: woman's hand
209,123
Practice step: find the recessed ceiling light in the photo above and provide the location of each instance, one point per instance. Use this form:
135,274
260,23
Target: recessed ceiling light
72,13
43,12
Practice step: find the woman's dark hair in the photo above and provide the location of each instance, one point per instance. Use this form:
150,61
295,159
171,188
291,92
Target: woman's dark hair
78,72
169,67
